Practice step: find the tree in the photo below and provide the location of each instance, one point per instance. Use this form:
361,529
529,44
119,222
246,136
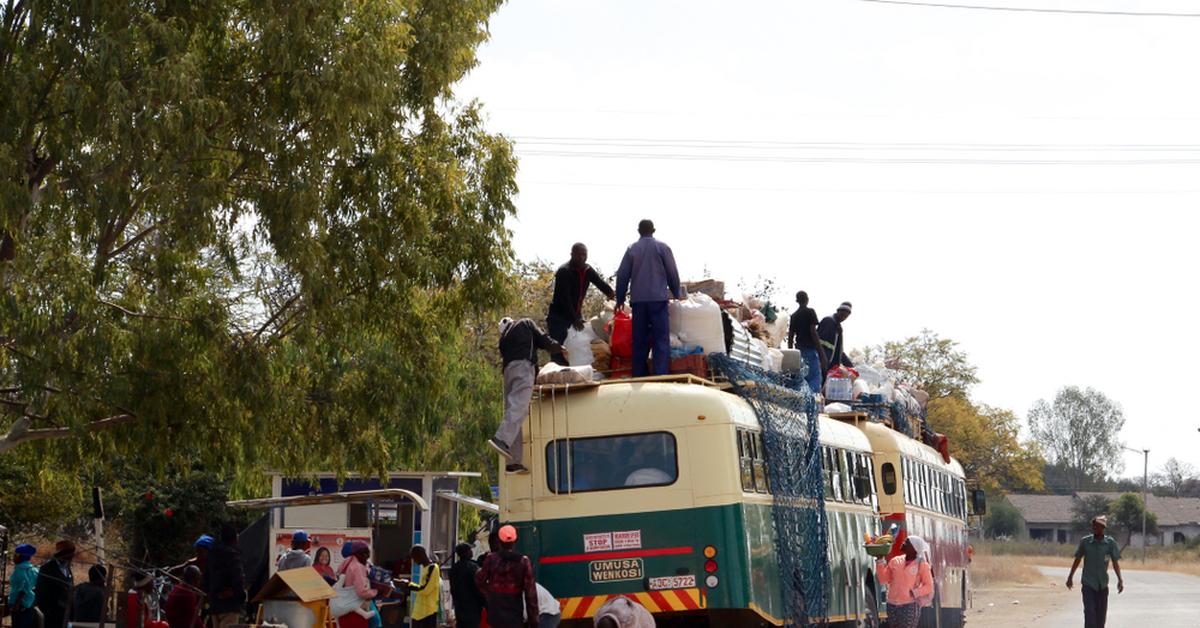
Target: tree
1078,431
1003,520
986,441
1176,477
250,232
1086,508
928,362
1125,517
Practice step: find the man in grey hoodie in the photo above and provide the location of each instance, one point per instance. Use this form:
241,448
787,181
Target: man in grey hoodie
296,557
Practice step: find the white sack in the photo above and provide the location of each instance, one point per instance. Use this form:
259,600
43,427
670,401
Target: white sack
579,346
697,321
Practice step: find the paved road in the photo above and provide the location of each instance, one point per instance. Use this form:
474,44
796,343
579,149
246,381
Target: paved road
1152,599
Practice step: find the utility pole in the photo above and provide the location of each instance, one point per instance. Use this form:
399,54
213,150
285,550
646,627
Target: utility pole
1145,497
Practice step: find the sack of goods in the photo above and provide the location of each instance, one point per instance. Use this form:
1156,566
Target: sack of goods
579,346
601,356
697,321
557,374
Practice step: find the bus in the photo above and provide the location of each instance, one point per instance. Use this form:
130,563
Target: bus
657,489
925,494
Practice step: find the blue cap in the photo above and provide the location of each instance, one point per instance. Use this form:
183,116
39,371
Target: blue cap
299,536
347,549
205,541
25,549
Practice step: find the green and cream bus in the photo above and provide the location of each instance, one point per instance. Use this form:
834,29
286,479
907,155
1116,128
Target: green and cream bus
656,489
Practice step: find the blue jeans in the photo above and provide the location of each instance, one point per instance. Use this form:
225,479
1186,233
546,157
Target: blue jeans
813,360
651,328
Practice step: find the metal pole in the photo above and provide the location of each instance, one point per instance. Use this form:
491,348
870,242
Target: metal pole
1145,500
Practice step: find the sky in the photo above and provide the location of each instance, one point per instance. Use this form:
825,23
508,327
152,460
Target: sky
1020,182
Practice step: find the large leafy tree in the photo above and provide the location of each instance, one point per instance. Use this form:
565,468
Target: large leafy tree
986,441
1126,517
248,232
1078,431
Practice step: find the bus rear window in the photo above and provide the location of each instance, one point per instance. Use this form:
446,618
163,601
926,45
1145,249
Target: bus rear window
611,462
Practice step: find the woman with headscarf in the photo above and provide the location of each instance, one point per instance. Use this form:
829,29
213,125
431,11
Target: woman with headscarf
356,578
908,578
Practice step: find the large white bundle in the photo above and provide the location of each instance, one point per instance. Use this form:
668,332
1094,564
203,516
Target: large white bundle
579,346
697,321
776,360
553,373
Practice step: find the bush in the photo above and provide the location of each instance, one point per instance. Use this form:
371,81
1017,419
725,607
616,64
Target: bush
1003,519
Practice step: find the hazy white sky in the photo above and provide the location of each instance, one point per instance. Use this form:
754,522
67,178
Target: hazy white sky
850,149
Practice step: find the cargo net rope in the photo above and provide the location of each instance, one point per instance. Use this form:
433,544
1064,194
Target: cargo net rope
787,412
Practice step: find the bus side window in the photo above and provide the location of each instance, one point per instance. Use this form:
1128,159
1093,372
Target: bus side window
870,462
760,467
745,455
889,478
827,472
907,479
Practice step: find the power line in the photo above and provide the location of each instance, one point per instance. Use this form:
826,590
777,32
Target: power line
940,5
625,142
855,160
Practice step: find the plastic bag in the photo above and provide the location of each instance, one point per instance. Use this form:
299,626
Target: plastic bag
345,600
697,321
620,329
840,371
579,346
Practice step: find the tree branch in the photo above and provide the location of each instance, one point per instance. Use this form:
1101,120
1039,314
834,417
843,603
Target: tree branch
283,308
19,432
133,241
129,312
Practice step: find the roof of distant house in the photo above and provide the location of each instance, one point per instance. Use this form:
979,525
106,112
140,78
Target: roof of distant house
1170,511
1043,508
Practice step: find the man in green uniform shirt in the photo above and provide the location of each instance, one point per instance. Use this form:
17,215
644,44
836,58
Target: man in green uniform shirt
1095,550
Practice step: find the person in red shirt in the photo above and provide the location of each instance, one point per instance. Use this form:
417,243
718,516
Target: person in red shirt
183,604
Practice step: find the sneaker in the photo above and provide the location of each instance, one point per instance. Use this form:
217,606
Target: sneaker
515,468
500,447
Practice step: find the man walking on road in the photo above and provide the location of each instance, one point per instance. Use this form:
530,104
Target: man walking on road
571,282
648,274
519,344
1094,551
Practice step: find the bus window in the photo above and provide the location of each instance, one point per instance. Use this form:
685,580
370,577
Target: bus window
761,483
870,462
909,498
611,462
889,478
746,456
827,472
839,474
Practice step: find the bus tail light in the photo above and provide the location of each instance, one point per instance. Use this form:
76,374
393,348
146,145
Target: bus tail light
710,565
710,552
711,581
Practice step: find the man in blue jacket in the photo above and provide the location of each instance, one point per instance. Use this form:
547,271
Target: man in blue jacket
648,275
21,586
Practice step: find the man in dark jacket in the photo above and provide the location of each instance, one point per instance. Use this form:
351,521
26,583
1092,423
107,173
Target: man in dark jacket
830,331
571,282
89,597
507,579
468,600
226,581
55,588
519,344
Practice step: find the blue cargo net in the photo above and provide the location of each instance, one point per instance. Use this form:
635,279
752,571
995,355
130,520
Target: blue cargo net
787,412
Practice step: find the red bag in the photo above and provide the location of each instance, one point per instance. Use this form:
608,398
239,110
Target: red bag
841,372
621,330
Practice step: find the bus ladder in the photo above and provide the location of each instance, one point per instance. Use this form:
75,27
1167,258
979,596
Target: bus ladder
534,458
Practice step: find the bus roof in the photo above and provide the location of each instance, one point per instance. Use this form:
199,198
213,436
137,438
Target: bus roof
606,407
886,440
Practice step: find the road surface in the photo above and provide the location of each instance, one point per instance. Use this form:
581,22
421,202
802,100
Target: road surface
1152,599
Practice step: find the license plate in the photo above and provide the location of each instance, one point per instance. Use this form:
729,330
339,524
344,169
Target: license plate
672,582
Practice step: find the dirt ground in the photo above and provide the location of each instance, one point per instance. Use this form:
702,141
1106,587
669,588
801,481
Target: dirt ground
1017,605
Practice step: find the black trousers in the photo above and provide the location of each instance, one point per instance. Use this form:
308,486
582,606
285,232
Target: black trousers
1095,606
557,329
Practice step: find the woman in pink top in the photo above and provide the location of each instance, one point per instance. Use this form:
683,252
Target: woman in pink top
907,578
355,569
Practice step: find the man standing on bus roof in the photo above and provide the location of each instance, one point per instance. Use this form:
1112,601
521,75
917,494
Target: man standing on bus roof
802,335
1094,551
648,274
506,578
519,344
571,282
832,341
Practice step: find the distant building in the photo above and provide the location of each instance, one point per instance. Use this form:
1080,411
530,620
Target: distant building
1048,517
